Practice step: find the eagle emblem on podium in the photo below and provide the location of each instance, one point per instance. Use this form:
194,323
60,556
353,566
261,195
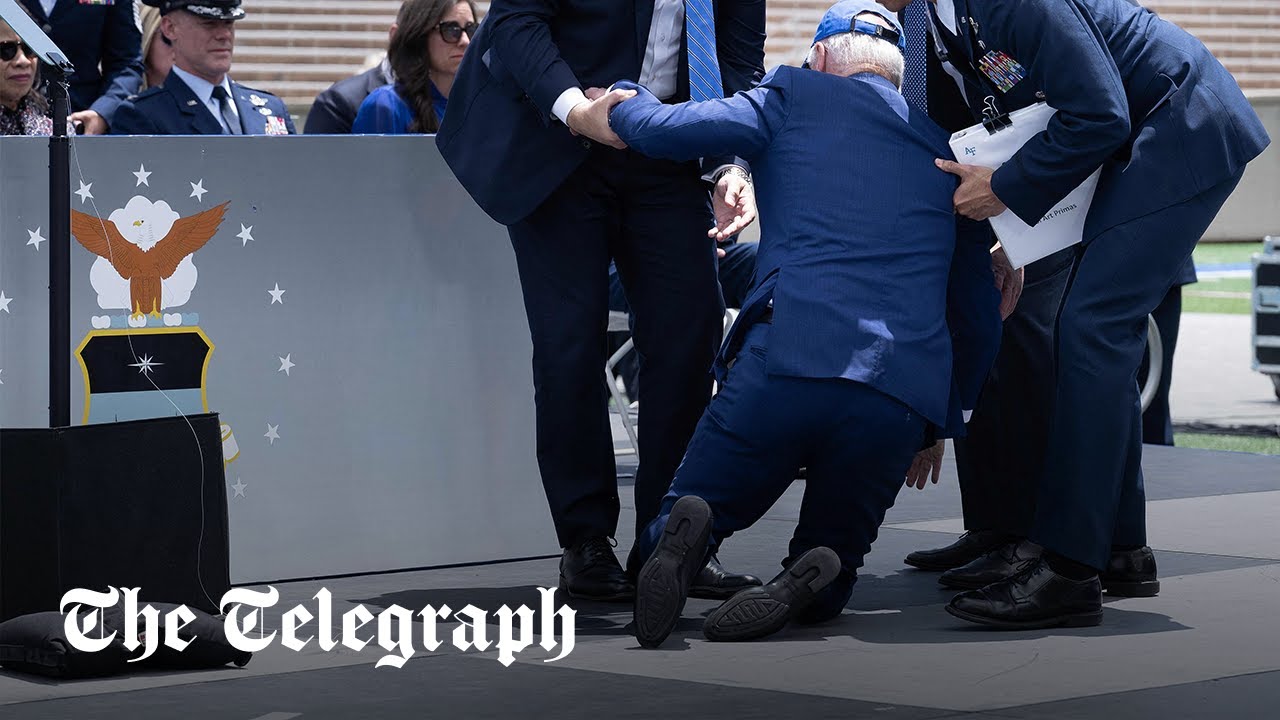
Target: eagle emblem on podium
144,260
151,360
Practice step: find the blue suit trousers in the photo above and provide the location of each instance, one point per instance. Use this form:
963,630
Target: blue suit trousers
1091,494
856,442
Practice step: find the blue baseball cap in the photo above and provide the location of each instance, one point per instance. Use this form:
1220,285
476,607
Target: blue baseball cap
840,18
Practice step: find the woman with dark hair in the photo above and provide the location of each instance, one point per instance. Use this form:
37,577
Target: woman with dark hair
426,49
22,109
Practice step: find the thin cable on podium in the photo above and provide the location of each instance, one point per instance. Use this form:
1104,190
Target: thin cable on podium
72,138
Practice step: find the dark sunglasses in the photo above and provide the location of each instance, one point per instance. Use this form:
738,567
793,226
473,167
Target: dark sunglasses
9,50
452,31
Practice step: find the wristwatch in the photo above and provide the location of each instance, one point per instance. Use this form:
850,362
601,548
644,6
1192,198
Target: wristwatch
734,170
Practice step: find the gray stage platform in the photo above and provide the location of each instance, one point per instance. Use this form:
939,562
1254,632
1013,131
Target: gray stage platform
1208,647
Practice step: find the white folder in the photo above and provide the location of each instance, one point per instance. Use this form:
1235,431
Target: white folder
1063,225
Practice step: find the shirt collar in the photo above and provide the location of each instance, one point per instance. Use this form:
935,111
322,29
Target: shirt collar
874,79
203,88
946,10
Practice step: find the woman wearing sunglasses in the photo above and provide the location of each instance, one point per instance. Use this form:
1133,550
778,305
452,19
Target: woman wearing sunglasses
22,109
425,51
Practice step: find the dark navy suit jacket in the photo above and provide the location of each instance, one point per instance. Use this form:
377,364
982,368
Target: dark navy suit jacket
335,109
499,136
1133,91
872,276
91,35
174,109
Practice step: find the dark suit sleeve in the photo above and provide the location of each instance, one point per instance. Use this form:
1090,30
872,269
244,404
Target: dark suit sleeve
130,120
740,43
742,125
522,41
1065,57
740,34
121,60
973,319
326,115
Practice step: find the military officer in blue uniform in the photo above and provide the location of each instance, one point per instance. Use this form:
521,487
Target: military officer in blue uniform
198,97
1172,133
103,42
869,330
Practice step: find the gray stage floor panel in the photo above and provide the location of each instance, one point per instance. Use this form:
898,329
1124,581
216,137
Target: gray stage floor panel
1206,647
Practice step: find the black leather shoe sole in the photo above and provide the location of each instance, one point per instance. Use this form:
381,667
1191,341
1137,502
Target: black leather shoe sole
1070,620
626,595
663,584
1131,588
708,592
761,611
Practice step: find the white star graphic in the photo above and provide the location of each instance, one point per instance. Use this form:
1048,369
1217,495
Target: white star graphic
142,176
198,191
239,488
146,365
285,363
272,433
246,234
36,238
83,192
4,302
277,295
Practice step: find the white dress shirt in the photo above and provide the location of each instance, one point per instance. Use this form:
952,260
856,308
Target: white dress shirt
204,91
48,6
661,58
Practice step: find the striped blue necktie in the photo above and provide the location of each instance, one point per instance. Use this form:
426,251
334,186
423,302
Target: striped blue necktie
700,39
914,82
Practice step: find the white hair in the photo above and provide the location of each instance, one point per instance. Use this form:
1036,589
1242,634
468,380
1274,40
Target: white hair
850,52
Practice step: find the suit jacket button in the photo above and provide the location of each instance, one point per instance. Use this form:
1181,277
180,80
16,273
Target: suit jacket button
47,28
586,143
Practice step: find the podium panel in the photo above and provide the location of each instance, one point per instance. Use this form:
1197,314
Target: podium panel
354,320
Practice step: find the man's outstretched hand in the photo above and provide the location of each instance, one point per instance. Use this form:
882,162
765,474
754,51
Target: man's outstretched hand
734,201
974,198
927,462
591,118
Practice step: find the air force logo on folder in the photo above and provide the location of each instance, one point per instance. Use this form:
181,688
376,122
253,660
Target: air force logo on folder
1061,227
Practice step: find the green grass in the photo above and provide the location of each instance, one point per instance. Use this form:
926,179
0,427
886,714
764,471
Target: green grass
1225,253
1230,443
1193,299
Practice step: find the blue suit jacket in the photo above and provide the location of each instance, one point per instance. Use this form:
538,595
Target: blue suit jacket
1133,91
499,136
384,112
871,275
91,35
173,109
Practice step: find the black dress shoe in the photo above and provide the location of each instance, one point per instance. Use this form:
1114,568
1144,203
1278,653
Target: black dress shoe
999,564
590,571
1033,599
664,580
715,583
758,612
1131,573
968,548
